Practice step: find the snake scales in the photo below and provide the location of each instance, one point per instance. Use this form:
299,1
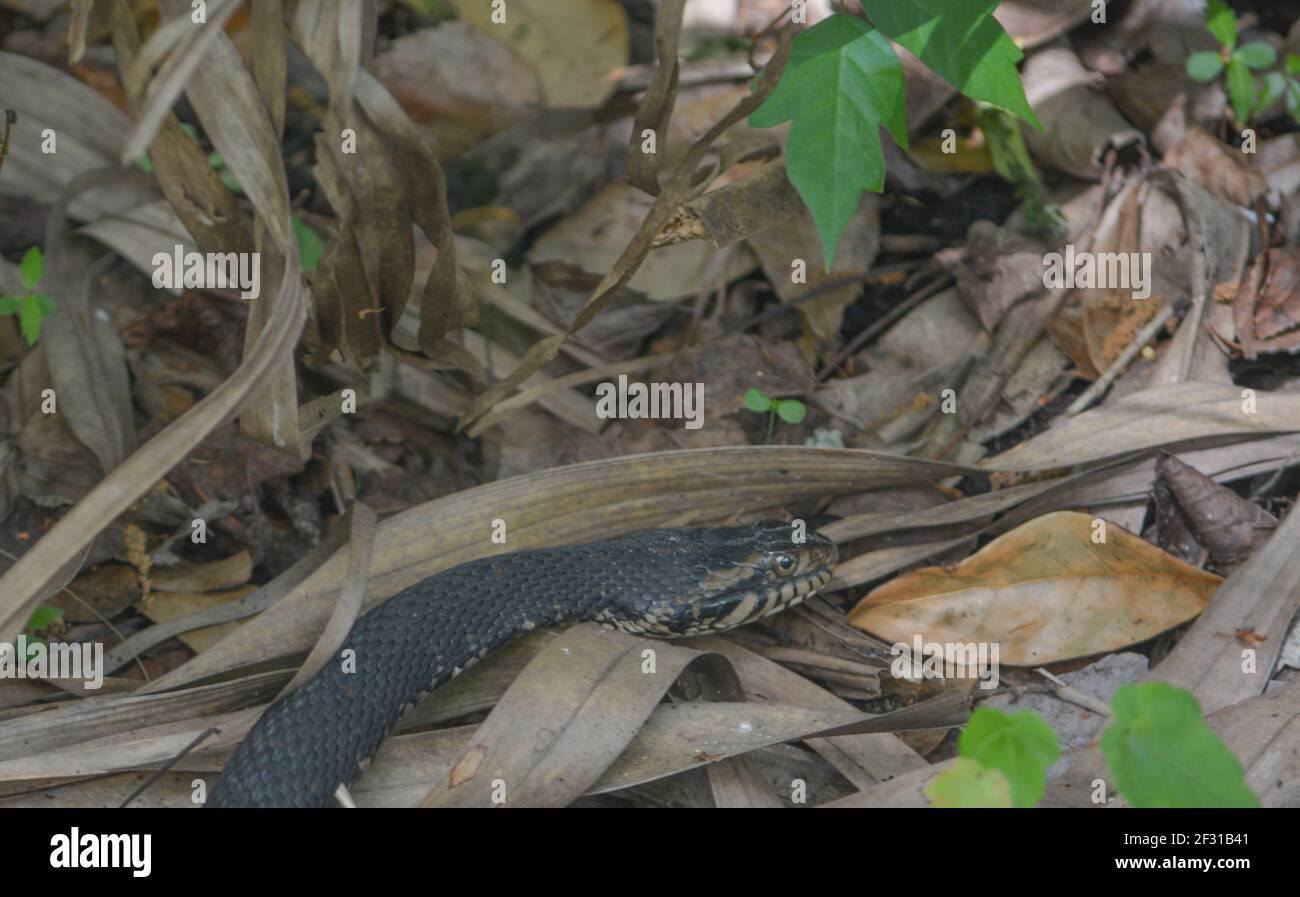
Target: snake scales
661,583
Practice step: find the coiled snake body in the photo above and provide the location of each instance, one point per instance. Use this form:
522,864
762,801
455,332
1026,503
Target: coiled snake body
662,583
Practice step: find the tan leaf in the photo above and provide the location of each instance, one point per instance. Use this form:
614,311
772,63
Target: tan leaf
576,45
1044,592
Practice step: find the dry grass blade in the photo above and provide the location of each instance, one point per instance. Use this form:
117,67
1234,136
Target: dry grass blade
78,722
187,42
584,696
361,544
1161,416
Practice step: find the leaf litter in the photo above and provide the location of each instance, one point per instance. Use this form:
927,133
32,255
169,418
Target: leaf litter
1032,418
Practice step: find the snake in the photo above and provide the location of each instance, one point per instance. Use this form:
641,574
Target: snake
658,583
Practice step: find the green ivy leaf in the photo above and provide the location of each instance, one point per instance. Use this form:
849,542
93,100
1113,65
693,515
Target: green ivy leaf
1021,745
1293,63
842,82
1241,90
310,246
756,401
32,267
1222,22
969,783
1293,100
29,319
962,42
1258,54
1162,754
1204,66
792,411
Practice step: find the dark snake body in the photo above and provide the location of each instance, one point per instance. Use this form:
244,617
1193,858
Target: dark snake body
662,583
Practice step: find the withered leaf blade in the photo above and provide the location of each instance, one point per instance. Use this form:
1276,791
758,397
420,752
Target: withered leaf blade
1266,310
1046,591
584,697
1229,527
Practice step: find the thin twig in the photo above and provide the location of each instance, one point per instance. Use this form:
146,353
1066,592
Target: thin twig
1067,692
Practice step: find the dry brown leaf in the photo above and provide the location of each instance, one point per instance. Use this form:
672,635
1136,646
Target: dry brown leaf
1045,591
1266,308
426,72
576,46
1230,527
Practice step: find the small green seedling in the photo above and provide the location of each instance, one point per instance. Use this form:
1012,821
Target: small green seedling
1237,65
792,411
30,306
45,621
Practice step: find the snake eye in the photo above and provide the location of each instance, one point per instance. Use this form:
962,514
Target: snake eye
785,563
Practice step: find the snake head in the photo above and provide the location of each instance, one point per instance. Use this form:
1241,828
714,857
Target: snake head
729,576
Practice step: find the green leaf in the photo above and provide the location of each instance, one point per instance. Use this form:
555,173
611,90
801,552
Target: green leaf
1293,63
1293,100
310,246
1204,66
45,303
32,267
1271,89
962,42
842,82
42,618
29,319
8,305
969,783
1241,90
1161,753
792,411
1222,22
1258,54
756,401
1021,745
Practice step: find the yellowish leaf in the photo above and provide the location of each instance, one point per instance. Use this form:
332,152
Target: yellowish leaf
1046,591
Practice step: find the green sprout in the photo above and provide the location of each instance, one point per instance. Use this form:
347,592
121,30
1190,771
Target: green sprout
30,306
792,411
1237,65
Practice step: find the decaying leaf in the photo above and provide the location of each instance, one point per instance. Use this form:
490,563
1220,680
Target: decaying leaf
1267,307
1230,527
1046,591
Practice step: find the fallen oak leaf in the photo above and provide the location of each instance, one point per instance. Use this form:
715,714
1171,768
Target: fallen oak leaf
1043,592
